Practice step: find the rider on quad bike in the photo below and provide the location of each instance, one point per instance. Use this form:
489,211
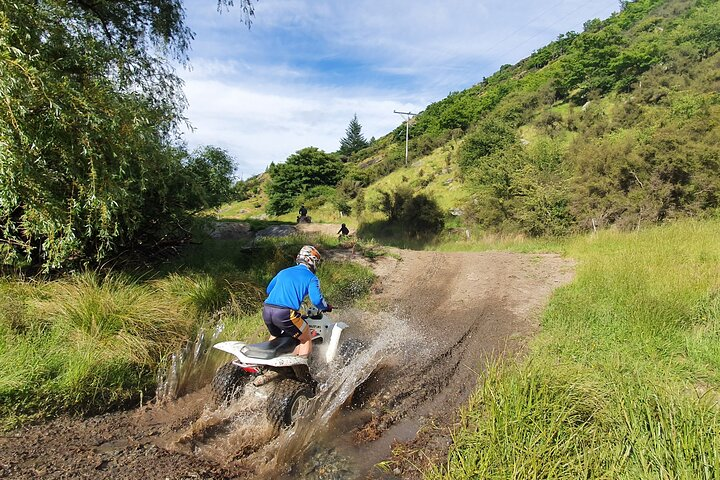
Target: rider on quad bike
303,216
281,310
280,374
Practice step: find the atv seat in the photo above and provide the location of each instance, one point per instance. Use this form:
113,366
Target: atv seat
273,348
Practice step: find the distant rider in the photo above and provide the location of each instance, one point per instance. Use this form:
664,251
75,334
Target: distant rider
343,232
285,295
303,211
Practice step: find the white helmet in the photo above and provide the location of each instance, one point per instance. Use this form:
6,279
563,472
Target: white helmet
309,256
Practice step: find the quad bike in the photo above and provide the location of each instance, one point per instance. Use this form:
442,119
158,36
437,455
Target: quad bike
303,219
281,377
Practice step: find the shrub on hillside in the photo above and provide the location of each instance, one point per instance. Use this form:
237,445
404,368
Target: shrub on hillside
491,136
417,214
422,216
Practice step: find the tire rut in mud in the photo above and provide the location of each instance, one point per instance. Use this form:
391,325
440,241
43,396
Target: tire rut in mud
468,310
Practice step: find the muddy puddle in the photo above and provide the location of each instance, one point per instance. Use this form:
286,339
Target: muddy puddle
327,441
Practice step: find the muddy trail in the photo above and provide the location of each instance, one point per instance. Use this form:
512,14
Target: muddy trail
441,317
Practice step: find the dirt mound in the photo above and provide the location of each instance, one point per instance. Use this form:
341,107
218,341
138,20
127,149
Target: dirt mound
453,312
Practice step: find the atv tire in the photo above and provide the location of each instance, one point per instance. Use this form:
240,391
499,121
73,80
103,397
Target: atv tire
228,384
288,401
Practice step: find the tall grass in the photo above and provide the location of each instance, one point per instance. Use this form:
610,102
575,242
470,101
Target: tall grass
82,344
622,382
93,342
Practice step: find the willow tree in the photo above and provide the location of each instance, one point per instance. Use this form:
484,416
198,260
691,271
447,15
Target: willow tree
90,106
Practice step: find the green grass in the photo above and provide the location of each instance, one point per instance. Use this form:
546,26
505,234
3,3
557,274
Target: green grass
479,241
253,212
433,175
85,343
623,380
93,342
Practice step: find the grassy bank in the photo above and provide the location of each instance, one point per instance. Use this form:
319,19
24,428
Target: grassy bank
92,342
623,380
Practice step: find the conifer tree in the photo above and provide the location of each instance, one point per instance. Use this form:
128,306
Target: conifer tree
354,139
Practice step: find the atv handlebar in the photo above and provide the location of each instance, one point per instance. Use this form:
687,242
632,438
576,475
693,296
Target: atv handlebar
315,313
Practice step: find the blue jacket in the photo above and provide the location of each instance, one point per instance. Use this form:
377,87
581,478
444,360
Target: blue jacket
291,285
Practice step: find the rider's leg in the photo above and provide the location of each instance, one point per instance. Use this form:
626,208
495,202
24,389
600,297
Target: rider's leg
273,329
305,346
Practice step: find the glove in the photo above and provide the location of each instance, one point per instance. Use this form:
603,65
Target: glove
329,308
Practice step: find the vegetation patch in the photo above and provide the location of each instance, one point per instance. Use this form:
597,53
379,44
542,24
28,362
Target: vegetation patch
84,344
91,342
622,382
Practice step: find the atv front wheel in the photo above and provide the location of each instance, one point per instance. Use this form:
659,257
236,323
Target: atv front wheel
288,401
228,383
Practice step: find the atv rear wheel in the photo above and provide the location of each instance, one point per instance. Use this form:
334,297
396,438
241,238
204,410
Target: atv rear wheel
288,401
228,383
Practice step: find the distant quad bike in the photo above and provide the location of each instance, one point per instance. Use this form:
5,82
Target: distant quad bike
304,219
281,377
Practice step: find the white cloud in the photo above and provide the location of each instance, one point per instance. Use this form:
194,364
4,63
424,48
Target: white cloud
296,78
262,125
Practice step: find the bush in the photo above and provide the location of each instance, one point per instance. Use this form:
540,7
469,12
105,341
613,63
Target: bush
304,170
422,216
489,137
418,215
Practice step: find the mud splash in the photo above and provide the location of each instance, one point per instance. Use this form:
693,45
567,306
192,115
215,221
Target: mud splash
240,437
190,368
328,424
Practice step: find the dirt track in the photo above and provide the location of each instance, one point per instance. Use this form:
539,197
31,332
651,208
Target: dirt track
459,309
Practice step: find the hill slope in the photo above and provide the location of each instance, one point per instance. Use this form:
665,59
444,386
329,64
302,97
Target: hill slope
617,125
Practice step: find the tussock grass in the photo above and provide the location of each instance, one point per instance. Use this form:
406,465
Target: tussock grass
120,317
91,342
83,344
539,420
623,380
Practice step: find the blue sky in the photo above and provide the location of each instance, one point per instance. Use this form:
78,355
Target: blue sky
297,77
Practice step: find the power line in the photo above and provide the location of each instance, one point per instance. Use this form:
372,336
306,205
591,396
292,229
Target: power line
515,47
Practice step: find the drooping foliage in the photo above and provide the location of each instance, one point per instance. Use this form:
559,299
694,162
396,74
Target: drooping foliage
89,159
304,170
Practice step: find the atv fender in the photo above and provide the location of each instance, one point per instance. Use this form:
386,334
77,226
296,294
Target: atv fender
234,348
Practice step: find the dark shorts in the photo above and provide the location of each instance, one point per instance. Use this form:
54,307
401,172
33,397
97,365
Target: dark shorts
283,321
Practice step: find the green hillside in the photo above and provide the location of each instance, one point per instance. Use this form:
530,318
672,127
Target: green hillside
614,126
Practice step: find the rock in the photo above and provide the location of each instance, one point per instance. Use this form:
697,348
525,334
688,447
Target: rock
276,231
230,231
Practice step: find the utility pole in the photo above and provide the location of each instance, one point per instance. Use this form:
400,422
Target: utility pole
407,131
